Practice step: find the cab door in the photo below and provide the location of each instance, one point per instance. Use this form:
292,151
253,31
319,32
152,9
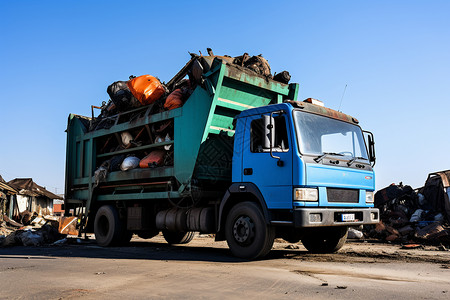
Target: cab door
273,179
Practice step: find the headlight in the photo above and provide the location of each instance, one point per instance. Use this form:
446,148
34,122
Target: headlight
306,194
369,197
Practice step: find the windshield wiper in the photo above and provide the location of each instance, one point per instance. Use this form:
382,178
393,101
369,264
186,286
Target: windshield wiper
351,161
319,158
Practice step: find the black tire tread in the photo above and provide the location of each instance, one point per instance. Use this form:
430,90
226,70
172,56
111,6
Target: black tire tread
178,238
117,235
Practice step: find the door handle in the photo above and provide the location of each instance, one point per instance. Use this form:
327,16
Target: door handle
248,171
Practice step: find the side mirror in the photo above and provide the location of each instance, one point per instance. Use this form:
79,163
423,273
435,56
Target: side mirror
371,147
269,136
268,131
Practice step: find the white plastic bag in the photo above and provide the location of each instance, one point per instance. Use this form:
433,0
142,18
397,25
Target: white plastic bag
126,138
129,163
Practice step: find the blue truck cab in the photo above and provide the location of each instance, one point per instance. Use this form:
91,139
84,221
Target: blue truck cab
310,168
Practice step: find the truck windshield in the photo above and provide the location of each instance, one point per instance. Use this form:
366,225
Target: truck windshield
318,135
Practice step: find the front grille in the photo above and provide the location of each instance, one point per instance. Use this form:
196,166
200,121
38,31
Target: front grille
342,195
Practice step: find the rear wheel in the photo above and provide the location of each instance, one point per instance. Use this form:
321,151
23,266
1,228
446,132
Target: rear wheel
325,240
108,229
247,233
178,237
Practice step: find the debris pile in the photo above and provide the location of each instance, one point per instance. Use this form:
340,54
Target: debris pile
47,234
146,90
409,215
146,94
41,232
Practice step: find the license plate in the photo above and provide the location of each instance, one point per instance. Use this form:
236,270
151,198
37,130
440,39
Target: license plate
348,217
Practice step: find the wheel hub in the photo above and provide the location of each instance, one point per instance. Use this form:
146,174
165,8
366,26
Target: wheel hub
242,229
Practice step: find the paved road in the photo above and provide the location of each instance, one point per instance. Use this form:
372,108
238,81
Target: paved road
150,269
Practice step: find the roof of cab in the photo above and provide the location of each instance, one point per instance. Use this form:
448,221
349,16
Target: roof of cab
304,106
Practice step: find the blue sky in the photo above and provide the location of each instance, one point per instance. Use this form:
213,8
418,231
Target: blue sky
58,57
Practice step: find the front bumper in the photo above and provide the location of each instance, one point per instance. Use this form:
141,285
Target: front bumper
316,217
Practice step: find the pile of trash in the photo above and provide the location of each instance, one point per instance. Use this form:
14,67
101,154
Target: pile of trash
408,215
146,90
39,233
143,95
47,234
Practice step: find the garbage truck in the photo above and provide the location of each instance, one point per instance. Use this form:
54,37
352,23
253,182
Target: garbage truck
242,159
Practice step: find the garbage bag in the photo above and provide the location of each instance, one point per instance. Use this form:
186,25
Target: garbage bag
146,88
259,65
131,162
30,238
121,96
417,216
115,162
101,173
174,100
283,77
154,159
126,138
354,234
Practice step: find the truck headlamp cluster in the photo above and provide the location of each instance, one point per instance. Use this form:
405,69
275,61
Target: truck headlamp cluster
369,197
306,194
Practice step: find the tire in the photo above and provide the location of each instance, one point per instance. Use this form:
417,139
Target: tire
174,238
247,233
108,228
325,240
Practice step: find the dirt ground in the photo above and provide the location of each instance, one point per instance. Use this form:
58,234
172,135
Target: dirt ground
152,269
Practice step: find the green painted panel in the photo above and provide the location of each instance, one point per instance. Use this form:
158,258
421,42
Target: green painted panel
231,106
222,122
87,153
75,128
188,133
293,91
248,96
80,194
81,181
245,76
139,196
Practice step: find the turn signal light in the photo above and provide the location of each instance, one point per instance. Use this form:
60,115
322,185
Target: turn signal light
306,194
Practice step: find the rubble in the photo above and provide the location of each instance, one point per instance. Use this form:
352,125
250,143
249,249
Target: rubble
67,225
47,234
42,230
354,234
411,216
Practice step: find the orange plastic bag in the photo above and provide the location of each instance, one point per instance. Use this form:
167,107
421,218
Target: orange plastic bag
174,100
154,159
147,89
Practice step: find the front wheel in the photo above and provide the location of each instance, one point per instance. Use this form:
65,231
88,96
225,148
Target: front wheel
325,240
247,233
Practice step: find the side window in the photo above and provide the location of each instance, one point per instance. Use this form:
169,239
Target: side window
257,136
